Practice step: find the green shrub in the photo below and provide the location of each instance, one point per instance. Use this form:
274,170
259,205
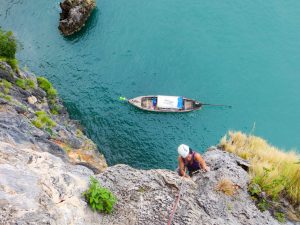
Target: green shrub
263,205
6,97
8,44
8,48
55,108
280,217
25,83
43,120
12,62
54,111
30,83
6,85
6,91
99,198
37,123
47,87
20,83
44,83
49,130
52,93
1,65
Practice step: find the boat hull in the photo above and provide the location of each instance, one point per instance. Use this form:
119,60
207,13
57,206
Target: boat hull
144,103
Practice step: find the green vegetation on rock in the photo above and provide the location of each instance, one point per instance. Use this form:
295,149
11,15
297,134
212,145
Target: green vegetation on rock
275,174
280,217
8,48
99,198
5,85
47,87
43,120
51,94
25,83
4,90
6,97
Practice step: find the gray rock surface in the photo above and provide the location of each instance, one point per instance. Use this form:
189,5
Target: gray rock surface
64,140
74,15
147,197
37,187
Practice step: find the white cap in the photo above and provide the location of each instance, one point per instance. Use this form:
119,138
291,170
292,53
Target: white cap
183,150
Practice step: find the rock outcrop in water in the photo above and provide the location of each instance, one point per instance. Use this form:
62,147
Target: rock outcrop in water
74,15
43,172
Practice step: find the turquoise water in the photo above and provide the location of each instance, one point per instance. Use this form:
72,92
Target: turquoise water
242,53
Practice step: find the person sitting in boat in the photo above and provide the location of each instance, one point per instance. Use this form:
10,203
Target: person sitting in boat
190,160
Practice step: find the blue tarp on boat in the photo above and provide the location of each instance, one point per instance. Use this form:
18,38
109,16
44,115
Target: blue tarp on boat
180,103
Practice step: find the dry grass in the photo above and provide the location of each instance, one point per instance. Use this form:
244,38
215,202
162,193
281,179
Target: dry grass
226,186
276,171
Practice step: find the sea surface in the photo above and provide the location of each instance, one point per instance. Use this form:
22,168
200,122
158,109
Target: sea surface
241,53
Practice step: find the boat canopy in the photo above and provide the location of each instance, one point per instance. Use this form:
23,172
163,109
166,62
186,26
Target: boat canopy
169,102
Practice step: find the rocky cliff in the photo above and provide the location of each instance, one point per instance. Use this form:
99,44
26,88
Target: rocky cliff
74,15
29,114
38,187
45,166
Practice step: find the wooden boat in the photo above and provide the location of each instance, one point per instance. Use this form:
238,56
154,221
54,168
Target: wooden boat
162,103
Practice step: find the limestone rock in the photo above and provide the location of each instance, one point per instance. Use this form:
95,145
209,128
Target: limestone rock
37,187
74,15
18,115
147,196
32,100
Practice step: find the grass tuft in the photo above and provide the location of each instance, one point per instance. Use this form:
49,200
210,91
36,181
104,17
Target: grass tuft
226,186
25,83
43,120
51,94
275,171
47,87
5,85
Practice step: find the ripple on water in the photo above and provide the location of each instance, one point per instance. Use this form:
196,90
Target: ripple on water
239,54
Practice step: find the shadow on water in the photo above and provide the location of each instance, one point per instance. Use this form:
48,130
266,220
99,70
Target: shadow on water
90,24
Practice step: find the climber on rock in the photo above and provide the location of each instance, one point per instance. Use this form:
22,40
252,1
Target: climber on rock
190,160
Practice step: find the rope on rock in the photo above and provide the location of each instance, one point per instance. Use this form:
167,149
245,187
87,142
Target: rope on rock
176,203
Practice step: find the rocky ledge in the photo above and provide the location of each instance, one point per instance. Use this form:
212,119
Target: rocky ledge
29,114
38,187
74,15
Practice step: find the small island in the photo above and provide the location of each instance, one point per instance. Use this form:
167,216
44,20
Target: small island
74,15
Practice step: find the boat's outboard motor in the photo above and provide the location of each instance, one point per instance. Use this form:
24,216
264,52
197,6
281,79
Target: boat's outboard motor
198,104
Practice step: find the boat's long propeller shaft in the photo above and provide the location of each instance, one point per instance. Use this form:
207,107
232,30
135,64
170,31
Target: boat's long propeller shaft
229,106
